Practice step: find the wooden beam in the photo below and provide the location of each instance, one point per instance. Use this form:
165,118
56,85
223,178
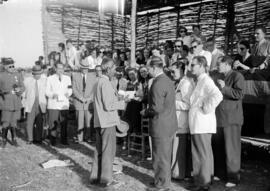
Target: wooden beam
112,28
133,32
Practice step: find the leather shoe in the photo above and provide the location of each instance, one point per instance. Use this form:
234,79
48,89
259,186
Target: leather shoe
14,143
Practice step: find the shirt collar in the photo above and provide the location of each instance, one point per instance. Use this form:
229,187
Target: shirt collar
202,76
159,74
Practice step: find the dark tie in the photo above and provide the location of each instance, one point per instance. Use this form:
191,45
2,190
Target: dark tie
84,83
117,87
36,90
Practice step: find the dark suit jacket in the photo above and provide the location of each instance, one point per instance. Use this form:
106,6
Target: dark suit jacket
77,88
230,110
162,109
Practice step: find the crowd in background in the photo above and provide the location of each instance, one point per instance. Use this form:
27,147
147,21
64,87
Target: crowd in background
188,62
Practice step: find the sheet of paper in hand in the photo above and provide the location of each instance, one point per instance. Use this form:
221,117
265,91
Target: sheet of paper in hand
129,94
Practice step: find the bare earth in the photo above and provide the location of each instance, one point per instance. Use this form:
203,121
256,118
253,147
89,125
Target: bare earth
20,170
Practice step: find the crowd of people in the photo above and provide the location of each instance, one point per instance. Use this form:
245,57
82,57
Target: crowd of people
191,92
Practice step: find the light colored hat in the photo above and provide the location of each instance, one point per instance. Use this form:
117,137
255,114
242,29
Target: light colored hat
37,70
122,129
84,64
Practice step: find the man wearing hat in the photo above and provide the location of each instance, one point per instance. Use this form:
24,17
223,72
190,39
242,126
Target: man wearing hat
11,89
35,104
82,86
163,123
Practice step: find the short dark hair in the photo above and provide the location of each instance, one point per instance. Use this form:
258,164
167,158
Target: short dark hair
182,27
179,65
61,45
211,39
185,48
156,61
245,43
262,28
226,59
196,26
68,41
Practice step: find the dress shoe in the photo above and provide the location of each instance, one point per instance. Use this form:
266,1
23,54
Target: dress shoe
158,189
4,143
14,143
29,142
94,181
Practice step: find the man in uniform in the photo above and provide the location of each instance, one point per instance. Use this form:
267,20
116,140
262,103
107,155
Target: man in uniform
11,89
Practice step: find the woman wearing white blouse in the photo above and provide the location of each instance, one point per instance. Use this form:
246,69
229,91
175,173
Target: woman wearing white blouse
181,159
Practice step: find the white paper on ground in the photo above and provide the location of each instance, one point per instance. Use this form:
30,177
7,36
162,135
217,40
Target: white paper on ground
56,163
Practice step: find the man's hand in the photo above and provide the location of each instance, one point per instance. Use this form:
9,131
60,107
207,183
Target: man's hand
142,112
236,64
221,83
55,96
126,99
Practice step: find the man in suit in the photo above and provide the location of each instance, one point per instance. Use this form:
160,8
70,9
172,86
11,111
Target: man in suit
11,89
229,122
119,82
58,91
82,86
35,104
106,119
163,123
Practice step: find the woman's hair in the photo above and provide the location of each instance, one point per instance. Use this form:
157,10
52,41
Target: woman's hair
180,65
226,59
182,27
245,43
61,45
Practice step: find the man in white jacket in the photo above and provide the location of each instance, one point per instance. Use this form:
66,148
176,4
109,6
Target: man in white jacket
58,91
202,122
35,104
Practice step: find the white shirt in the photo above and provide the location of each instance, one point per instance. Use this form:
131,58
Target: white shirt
60,88
207,55
203,102
93,62
72,56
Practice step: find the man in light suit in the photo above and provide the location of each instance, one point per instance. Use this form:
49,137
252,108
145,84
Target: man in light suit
82,86
58,91
35,104
106,119
202,123
163,123
227,141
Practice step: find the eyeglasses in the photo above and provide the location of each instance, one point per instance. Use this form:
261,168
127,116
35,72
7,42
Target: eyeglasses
193,47
242,48
182,31
178,46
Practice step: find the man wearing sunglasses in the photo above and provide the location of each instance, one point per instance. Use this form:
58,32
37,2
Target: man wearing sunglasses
197,47
11,89
178,48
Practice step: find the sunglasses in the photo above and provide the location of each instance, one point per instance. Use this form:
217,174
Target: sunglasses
193,65
178,46
242,48
194,47
182,31
11,66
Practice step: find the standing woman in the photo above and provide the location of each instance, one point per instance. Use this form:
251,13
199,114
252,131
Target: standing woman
181,154
132,113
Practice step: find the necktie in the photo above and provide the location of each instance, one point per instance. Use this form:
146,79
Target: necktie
84,83
36,90
118,85
59,78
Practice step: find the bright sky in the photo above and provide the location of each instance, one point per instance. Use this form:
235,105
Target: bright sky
21,31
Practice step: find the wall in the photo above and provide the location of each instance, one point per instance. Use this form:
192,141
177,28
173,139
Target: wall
21,31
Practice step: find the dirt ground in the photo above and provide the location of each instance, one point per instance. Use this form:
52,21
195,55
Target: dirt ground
20,170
